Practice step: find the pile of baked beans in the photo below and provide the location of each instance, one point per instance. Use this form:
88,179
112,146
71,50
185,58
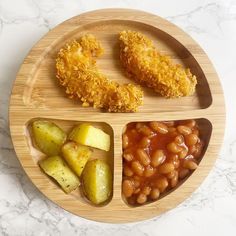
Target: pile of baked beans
157,156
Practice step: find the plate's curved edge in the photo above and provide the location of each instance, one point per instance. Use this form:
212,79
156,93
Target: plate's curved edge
151,22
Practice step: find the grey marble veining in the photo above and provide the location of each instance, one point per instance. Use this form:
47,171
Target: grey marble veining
211,210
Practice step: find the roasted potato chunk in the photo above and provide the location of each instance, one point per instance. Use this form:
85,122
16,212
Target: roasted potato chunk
97,181
76,156
88,135
48,137
55,167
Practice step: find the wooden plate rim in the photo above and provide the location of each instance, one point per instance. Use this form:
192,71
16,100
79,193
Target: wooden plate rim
215,113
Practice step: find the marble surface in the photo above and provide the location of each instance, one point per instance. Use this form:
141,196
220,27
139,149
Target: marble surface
211,210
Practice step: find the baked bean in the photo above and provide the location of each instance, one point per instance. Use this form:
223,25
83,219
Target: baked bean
142,198
179,139
146,190
183,173
173,147
191,139
145,131
192,149
196,132
176,164
127,171
136,184
185,130
137,168
127,188
136,181
183,153
191,165
166,168
139,125
134,131
161,183
144,142
155,193
128,156
158,157
171,174
137,190
174,180
125,141
143,157
198,151
189,157
173,158
149,171
159,127
169,123
190,123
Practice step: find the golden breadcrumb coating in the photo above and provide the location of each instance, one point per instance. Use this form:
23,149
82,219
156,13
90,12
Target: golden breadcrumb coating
77,72
145,64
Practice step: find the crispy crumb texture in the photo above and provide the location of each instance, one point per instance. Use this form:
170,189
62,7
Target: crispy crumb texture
77,72
145,64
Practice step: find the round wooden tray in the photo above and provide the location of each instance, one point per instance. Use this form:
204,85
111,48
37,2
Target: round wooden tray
36,94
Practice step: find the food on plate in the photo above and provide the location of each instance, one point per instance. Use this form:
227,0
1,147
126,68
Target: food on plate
97,181
48,137
145,64
157,156
76,70
86,134
55,167
76,156
67,171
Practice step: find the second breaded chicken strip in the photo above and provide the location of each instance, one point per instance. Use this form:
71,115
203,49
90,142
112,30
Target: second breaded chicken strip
77,71
147,65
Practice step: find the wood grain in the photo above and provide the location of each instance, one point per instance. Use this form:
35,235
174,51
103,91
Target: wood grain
36,94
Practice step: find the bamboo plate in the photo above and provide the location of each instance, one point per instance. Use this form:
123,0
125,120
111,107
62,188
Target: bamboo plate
36,94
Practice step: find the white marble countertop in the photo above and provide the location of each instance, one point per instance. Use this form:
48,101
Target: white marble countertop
211,210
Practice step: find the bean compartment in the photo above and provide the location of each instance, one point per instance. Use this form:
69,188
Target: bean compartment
157,156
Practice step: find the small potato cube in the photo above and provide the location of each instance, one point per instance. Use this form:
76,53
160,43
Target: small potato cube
48,137
88,135
76,156
97,181
55,167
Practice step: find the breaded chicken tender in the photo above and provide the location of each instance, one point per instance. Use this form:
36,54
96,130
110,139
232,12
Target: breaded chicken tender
77,71
145,64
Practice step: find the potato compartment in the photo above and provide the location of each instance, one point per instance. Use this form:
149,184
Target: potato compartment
67,126
159,156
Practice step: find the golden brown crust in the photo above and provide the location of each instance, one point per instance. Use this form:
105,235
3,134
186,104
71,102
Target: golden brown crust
146,65
77,72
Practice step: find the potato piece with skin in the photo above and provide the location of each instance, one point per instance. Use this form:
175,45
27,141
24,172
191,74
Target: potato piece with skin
97,181
90,136
55,167
48,137
76,156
